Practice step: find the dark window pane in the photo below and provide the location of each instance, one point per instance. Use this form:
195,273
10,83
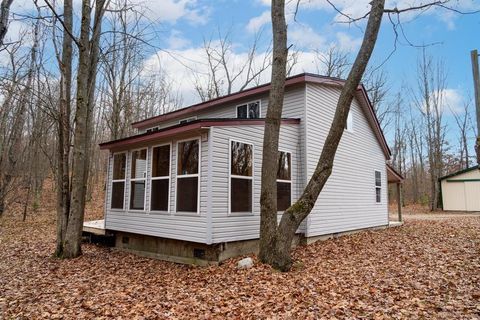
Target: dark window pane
119,164
188,157
284,166
187,194
378,178
254,110
241,159
159,198
242,112
378,194
161,161
241,195
283,195
137,195
118,192
139,164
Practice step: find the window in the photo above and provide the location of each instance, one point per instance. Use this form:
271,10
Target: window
349,124
160,182
138,176
378,186
241,176
284,181
118,181
187,120
249,110
154,129
188,155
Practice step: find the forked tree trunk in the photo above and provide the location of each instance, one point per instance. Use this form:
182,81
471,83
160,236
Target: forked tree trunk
279,240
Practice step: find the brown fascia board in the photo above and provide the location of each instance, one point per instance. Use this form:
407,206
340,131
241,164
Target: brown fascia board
184,128
297,79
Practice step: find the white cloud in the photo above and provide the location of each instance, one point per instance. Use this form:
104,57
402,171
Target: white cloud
256,23
173,10
452,100
304,36
347,43
177,41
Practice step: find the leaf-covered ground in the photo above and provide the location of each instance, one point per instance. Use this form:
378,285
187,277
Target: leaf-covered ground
425,269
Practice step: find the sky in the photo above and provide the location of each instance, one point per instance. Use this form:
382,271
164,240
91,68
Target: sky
181,26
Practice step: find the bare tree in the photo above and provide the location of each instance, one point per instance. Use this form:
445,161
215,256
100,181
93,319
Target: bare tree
463,119
4,15
332,63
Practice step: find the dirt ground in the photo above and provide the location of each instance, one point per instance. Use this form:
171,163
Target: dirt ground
426,269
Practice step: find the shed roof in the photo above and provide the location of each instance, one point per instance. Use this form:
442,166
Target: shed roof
459,172
393,176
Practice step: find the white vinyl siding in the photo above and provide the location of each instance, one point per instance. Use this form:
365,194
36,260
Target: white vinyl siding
347,201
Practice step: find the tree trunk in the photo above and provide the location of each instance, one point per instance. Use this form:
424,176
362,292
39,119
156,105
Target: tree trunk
268,195
63,127
4,15
293,216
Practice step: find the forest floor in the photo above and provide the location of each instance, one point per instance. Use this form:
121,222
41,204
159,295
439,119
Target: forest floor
428,268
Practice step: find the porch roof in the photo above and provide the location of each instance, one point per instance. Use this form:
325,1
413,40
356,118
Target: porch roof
393,176
189,127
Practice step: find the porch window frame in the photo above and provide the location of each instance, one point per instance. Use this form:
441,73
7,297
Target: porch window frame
169,178
230,176
378,187
124,180
286,181
197,175
248,109
130,180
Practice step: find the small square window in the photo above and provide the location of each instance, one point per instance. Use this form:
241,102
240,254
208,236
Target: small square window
250,110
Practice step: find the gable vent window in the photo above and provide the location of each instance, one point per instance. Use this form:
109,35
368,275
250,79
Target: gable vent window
378,186
249,110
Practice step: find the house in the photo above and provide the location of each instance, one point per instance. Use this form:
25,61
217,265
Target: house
461,190
187,186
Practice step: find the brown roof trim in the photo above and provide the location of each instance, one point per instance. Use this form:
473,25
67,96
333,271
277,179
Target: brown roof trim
297,79
186,127
397,177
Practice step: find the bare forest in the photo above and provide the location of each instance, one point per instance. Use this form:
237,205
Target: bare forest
79,75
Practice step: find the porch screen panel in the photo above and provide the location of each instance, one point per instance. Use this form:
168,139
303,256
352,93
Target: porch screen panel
118,181
137,179
160,181
241,176
188,155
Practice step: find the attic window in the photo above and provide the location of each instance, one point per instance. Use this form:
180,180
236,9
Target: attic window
249,110
187,120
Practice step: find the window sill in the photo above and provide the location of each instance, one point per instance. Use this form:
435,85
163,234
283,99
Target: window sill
240,214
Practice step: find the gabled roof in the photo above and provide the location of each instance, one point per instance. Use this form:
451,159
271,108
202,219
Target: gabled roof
459,173
262,89
188,127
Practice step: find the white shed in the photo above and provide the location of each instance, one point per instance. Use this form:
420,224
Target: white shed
461,190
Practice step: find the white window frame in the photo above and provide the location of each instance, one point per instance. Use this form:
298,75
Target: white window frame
187,120
248,113
287,181
169,177
130,180
198,175
124,180
349,126
378,187
230,176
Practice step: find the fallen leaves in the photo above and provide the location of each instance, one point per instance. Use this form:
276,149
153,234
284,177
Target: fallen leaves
426,269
